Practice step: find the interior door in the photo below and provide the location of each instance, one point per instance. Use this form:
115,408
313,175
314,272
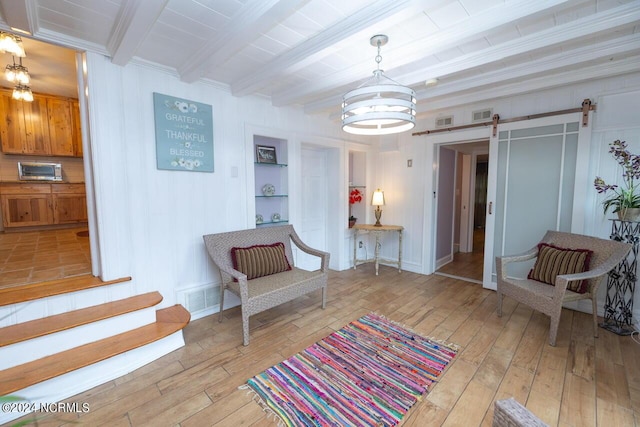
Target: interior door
532,174
313,230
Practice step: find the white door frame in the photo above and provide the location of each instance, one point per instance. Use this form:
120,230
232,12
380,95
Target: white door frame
430,202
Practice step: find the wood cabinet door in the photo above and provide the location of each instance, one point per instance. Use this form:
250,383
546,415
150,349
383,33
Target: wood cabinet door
60,127
26,210
37,126
76,129
69,208
12,126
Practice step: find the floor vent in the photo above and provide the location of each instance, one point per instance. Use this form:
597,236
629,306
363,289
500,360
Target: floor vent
482,115
201,300
443,122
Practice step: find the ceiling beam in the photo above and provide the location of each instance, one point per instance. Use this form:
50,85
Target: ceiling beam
610,69
584,27
20,15
326,42
453,36
134,22
255,18
608,50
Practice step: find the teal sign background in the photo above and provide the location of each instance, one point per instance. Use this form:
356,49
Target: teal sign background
184,134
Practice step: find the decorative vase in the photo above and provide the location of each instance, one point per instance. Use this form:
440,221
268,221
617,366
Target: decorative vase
352,222
629,214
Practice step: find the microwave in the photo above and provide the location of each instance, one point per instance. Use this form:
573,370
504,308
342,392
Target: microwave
39,171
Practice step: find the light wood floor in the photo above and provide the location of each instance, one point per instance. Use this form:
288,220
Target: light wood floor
582,382
469,264
37,256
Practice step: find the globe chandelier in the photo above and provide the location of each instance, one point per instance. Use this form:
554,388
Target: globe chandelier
379,106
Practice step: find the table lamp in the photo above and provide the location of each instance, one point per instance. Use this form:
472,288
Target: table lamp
377,200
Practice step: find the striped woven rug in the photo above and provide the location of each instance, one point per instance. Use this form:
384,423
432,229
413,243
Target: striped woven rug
369,373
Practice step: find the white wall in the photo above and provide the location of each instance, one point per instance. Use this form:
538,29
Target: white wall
413,209
150,221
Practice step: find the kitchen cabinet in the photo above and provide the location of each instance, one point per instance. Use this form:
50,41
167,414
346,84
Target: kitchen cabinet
69,203
26,205
76,129
48,126
60,127
40,204
24,128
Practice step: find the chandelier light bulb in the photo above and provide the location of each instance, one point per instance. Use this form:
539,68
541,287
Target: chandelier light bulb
17,73
22,93
10,43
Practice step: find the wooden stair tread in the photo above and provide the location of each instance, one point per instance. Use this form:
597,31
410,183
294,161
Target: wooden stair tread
59,322
32,291
25,375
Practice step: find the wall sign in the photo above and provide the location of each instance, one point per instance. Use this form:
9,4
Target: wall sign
184,134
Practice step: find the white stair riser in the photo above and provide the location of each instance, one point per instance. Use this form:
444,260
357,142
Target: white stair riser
36,348
72,383
49,306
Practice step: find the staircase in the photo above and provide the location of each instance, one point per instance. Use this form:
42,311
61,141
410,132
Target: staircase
105,335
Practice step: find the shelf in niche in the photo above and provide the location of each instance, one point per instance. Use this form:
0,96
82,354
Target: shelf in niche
271,197
357,186
273,165
282,221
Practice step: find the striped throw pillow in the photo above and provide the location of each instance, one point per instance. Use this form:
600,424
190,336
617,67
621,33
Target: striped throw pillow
260,260
554,261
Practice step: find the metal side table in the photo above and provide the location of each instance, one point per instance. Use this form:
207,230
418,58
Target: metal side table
621,282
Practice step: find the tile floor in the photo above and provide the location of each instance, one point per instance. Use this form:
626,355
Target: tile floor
35,256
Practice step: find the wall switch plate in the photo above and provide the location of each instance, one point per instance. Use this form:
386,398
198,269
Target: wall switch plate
360,244
409,163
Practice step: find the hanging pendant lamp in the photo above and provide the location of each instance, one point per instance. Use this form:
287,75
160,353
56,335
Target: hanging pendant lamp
379,106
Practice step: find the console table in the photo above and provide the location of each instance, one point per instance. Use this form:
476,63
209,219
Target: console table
377,232
621,282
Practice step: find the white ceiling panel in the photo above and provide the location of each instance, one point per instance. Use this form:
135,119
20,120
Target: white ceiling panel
308,52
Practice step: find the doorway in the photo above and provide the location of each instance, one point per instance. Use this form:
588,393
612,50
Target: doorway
30,254
461,209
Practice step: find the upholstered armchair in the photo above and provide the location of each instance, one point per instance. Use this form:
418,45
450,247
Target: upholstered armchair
568,267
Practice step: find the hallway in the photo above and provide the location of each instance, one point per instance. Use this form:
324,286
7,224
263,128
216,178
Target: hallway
467,265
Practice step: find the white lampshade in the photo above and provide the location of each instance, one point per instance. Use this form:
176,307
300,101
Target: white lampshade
377,199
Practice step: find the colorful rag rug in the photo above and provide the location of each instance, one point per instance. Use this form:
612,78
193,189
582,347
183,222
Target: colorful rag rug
369,373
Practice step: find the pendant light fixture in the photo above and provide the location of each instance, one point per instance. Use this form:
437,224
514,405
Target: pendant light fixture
379,106
12,44
22,93
17,73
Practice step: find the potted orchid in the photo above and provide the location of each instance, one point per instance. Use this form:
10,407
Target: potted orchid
623,199
355,196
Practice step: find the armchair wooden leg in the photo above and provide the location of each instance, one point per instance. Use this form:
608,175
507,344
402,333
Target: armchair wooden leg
499,309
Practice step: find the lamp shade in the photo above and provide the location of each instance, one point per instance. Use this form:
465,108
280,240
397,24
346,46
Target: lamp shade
377,199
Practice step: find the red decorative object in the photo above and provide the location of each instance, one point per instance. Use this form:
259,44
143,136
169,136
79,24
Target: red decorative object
355,196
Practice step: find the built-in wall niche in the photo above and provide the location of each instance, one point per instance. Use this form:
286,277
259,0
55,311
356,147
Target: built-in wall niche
357,180
271,181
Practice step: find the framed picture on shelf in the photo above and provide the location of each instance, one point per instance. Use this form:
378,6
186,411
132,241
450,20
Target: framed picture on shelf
266,154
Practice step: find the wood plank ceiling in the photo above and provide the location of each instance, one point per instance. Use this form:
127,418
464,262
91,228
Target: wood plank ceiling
310,52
